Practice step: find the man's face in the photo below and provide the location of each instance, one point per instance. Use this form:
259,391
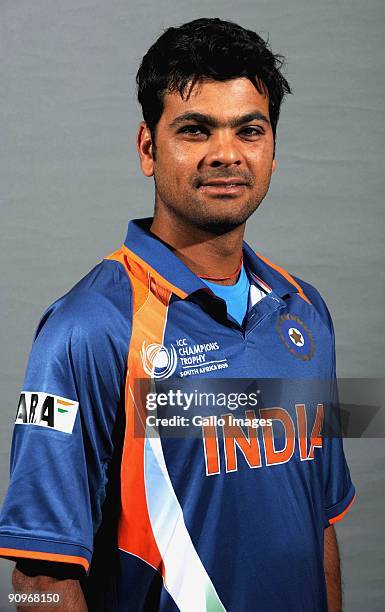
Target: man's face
214,154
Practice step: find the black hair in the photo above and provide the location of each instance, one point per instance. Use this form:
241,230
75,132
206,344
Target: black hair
206,49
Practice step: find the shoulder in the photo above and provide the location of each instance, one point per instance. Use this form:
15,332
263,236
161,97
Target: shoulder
96,307
316,301
82,339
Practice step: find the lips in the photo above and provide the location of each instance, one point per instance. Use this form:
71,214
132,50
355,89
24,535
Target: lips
229,187
220,182
223,188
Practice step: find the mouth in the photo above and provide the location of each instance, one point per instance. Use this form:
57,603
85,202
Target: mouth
231,186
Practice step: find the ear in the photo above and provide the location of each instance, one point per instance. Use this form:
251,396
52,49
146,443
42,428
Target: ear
273,165
144,148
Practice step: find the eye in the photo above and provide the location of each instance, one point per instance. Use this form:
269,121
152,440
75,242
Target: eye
252,131
193,130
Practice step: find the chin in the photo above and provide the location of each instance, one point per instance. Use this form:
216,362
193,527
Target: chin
221,224
224,221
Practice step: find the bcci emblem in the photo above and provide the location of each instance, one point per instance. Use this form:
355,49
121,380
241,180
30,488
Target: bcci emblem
296,336
158,361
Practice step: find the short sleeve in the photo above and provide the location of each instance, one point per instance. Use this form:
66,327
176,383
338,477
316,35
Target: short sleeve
63,435
339,491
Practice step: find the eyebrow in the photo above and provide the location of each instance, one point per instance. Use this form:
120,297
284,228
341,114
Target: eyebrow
213,122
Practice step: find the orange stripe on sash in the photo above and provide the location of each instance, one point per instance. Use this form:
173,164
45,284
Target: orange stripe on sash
150,306
132,261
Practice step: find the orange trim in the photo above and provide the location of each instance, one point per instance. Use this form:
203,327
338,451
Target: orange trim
151,296
340,516
285,275
124,253
44,556
65,403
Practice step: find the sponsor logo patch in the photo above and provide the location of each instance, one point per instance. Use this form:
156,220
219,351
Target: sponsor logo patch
296,336
53,411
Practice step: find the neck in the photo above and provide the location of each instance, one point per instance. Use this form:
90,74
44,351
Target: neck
206,254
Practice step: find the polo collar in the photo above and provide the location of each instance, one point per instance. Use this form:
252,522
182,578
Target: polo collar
161,257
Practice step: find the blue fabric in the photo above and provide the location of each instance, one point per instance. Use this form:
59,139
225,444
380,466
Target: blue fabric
79,353
257,529
236,296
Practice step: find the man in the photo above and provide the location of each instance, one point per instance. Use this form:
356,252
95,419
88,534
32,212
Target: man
228,520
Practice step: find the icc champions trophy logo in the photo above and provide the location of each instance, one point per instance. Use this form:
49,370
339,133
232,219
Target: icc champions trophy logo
158,361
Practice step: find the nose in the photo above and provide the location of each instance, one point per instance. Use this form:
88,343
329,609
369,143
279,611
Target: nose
223,151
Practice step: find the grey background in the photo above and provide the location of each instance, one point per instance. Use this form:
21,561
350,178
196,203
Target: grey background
70,181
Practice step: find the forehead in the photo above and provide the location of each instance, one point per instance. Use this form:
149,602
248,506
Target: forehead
222,99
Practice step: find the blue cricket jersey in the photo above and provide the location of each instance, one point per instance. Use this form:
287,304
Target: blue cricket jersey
230,518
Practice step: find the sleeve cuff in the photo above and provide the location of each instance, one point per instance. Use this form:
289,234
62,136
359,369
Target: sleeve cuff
18,547
337,512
